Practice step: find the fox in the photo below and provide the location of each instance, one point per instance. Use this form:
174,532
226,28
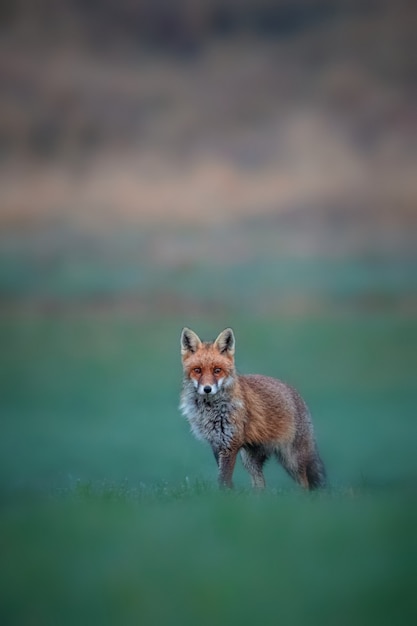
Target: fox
253,415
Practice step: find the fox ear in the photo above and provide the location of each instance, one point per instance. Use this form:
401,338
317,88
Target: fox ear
190,342
225,342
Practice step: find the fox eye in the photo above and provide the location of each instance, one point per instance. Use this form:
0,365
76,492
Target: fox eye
197,370
217,370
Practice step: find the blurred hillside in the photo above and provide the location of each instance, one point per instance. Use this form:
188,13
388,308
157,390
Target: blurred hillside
285,128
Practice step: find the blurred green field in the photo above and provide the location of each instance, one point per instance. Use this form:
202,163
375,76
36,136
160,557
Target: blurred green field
95,398
110,511
210,558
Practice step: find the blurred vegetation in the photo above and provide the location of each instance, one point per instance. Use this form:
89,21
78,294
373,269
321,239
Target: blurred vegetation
180,25
198,111
209,557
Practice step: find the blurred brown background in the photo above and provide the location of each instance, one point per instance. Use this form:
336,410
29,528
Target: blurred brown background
156,111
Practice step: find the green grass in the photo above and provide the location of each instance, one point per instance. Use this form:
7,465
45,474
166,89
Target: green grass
193,555
96,399
110,512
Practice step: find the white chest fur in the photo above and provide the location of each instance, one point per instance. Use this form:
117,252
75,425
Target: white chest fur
211,419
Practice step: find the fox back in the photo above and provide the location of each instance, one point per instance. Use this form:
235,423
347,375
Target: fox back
254,415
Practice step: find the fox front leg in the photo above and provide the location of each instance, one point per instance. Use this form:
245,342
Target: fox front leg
226,460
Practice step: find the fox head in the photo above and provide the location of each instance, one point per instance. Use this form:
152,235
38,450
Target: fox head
208,365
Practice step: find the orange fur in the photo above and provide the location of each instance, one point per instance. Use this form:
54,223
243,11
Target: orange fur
256,415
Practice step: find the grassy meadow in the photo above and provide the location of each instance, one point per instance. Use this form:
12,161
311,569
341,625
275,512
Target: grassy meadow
110,512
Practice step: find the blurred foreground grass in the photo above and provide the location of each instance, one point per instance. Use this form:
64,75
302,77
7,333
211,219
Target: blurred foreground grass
199,556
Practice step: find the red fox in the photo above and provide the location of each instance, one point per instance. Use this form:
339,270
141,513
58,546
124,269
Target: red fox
255,415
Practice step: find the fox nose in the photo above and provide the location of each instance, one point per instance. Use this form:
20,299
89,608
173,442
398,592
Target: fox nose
207,389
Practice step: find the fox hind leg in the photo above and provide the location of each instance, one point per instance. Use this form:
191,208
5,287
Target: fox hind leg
253,459
308,472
